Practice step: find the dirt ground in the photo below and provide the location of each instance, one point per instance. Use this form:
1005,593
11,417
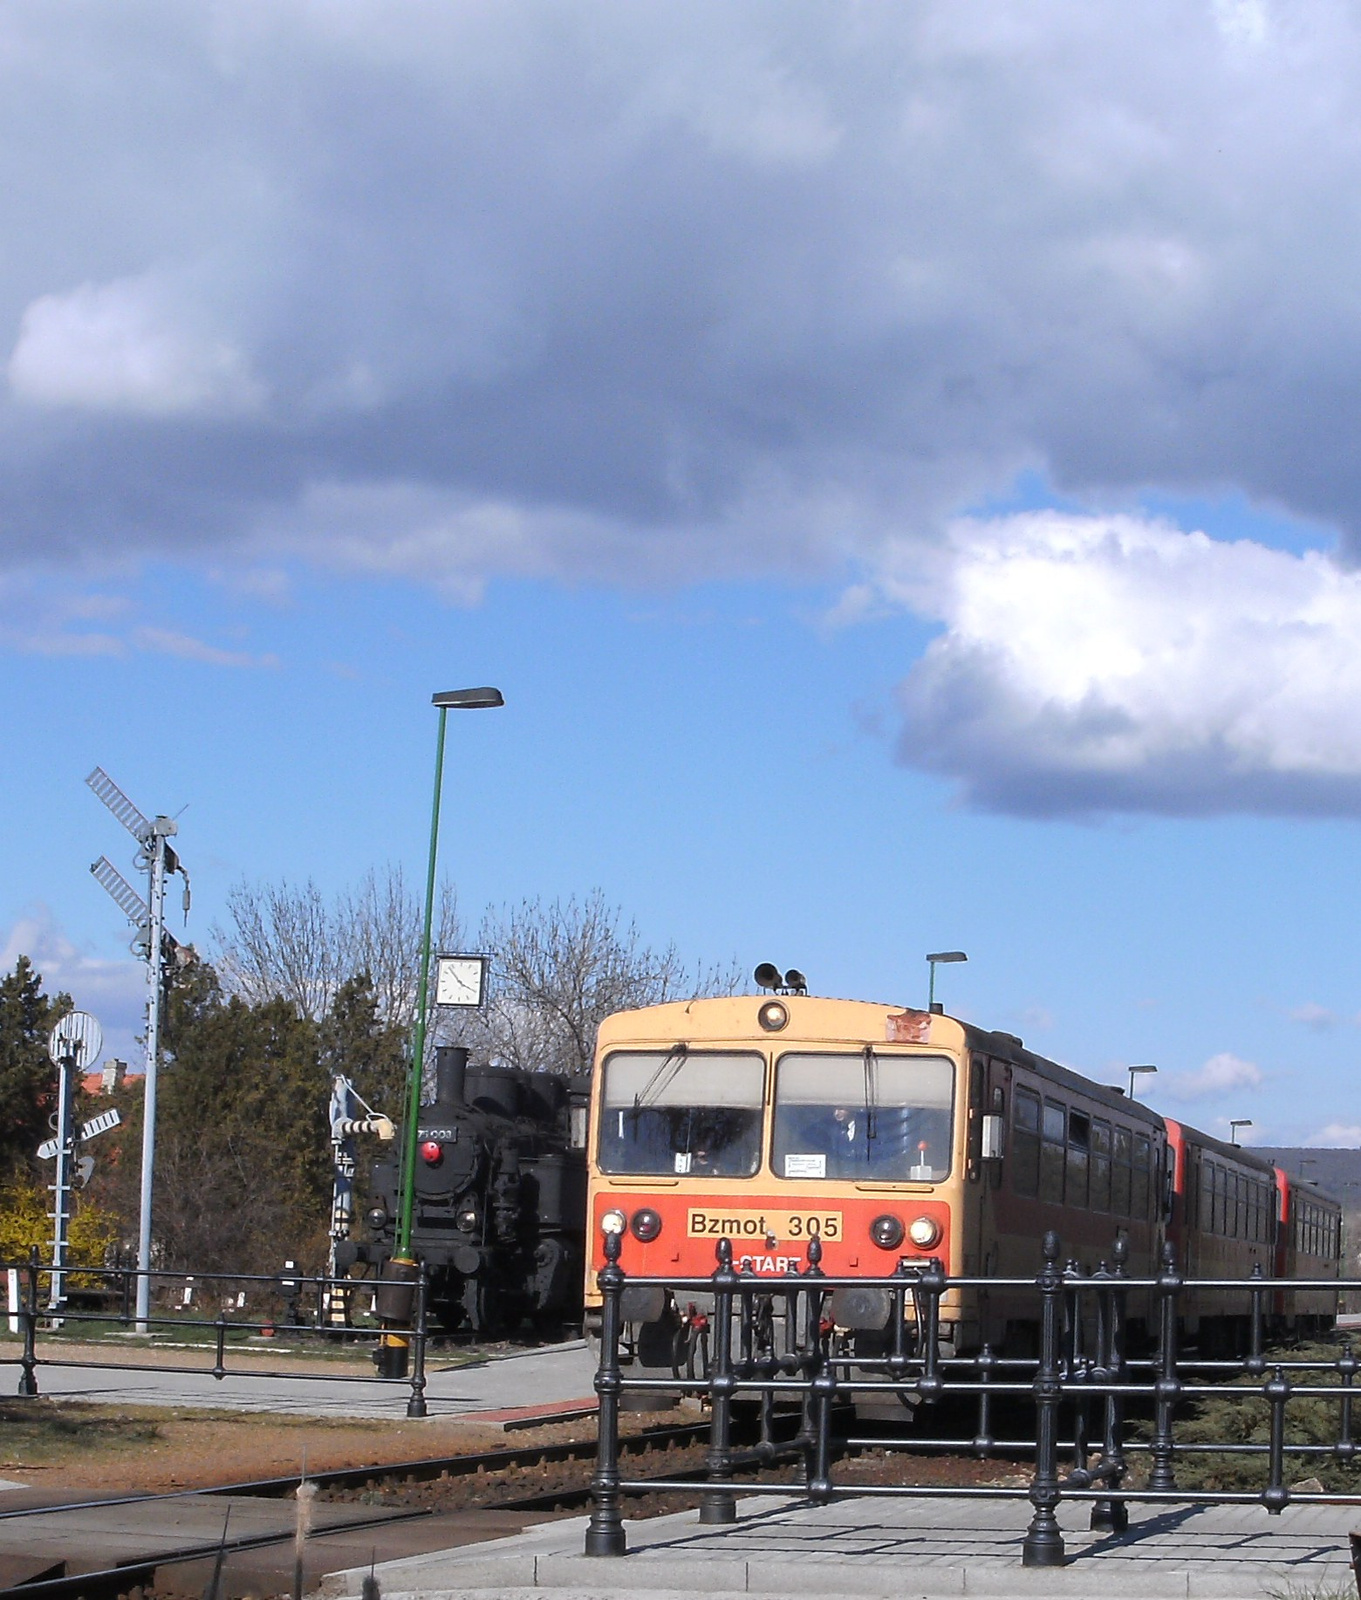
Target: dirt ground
71,1445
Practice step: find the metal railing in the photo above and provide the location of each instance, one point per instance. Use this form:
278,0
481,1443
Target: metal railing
290,1302
773,1340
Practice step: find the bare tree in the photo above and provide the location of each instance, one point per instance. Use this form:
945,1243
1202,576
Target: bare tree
561,968
558,968
286,941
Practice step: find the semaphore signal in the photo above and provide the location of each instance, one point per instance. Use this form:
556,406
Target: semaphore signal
156,858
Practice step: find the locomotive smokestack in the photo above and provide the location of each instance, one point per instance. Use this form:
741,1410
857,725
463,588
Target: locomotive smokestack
451,1068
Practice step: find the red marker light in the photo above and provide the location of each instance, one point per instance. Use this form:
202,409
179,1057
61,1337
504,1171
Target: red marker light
432,1152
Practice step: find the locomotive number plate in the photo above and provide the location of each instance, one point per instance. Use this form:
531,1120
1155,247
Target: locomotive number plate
708,1223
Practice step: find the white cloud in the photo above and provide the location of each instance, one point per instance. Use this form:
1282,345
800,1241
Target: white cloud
114,992
1220,1074
1093,663
167,641
120,347
1314,1016
1336,1136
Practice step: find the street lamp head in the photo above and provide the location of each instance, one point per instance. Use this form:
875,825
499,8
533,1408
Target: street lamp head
933,961
1235,1123
1135,1072
468,699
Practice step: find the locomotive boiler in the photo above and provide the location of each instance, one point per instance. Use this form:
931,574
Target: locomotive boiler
500,1198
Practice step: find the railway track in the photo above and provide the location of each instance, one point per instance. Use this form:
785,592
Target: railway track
464,1497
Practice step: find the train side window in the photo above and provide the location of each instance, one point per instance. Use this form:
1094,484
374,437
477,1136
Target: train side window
1053,1148
1079,1158
1120,1180
1025,1142
1101,1166
1205,1204
1139,1186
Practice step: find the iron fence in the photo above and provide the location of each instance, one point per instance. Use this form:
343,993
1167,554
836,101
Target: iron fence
1081,1387
288,1302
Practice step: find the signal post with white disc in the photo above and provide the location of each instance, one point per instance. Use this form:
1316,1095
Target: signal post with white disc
74,1046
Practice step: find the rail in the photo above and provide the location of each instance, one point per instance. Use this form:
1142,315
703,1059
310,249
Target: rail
1083,1369
404,1339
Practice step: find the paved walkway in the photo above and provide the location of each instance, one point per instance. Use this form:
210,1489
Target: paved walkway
519,1378
899,1548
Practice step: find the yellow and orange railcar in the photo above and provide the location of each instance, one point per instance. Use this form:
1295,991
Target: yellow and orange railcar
889,1134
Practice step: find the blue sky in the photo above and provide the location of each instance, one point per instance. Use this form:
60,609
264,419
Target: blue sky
899,467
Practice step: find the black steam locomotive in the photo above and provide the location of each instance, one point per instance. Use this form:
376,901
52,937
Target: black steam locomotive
500,1198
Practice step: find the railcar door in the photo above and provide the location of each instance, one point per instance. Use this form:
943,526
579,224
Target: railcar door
989,1085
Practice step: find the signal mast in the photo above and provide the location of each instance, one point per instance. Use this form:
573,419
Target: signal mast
157,859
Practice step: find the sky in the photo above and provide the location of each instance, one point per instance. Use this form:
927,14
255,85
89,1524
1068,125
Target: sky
899,464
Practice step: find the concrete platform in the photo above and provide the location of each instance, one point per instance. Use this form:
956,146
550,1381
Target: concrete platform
900,1548
103,1536
504,1385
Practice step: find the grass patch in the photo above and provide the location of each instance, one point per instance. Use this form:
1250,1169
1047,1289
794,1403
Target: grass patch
39,1432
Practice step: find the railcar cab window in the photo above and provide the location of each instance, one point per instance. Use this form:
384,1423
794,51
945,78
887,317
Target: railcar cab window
696,1113
865,1115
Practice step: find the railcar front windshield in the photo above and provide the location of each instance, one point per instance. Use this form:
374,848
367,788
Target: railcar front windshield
863,1116
689,1112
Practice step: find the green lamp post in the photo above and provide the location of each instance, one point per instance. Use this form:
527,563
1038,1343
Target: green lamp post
400,1268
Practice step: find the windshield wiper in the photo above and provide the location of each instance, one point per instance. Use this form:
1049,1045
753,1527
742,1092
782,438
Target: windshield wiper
870,1093
661,1080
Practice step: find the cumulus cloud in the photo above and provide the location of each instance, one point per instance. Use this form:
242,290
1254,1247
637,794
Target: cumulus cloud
771,282
1094,663
1220,1074
112,347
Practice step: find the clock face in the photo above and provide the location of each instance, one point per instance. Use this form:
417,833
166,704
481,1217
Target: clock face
459,980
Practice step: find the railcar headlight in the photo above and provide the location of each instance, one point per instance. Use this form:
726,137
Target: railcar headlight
377,1218
613,1222
646,1225
924,1232
466,1220
887,1231
772,1016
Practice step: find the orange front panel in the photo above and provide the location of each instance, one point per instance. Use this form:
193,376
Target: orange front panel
769,1232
